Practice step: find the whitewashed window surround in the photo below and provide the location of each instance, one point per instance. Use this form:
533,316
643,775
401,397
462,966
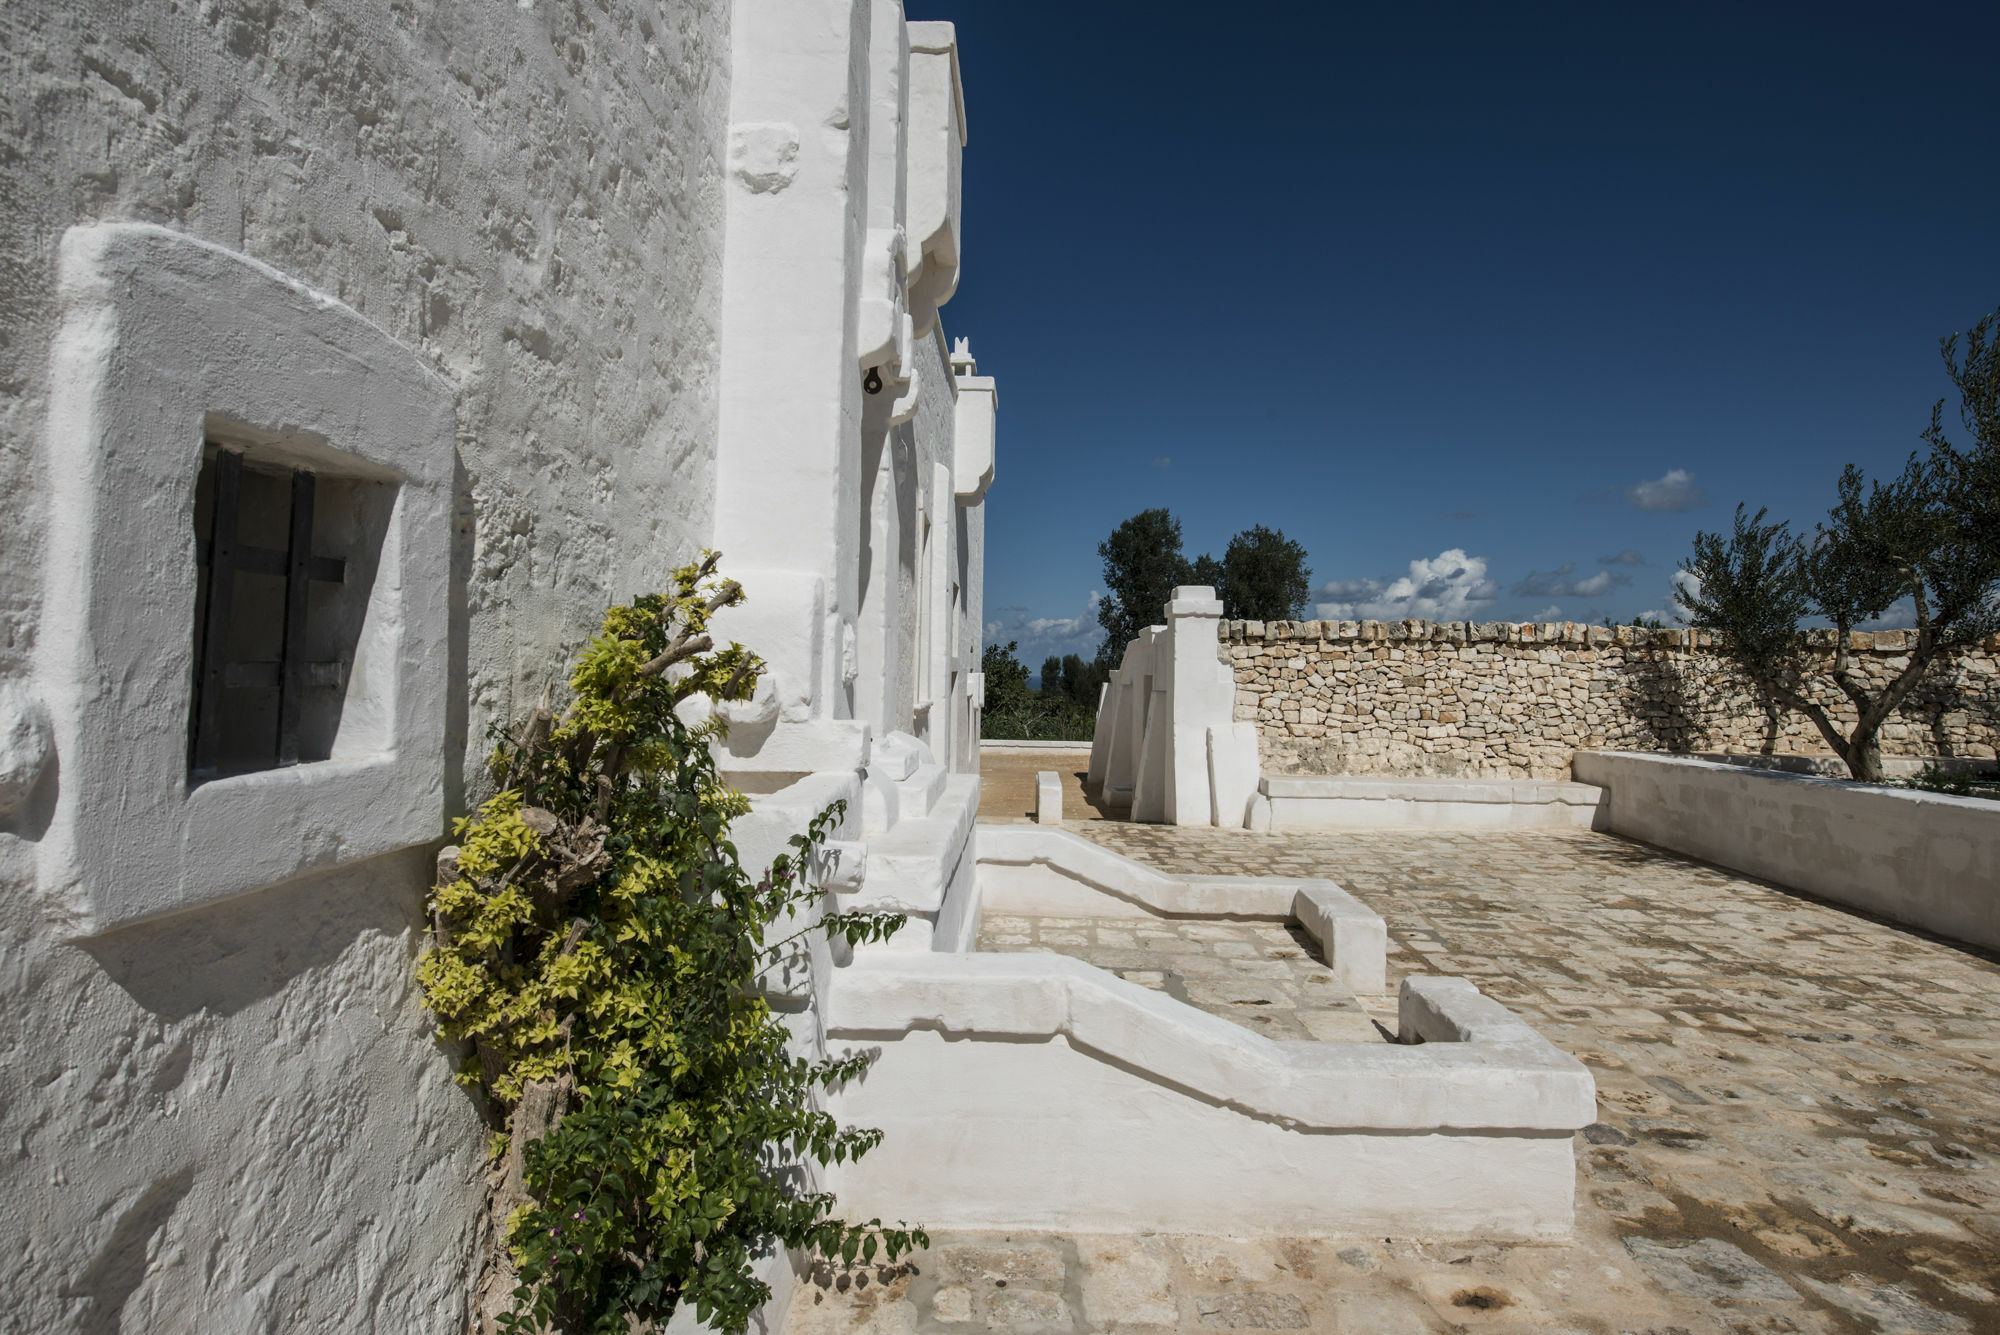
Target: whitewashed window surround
170,346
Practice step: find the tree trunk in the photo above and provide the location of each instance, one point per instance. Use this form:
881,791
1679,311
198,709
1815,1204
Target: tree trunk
1864,756
541,1110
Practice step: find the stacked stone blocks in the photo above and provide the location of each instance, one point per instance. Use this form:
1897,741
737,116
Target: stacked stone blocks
1517,700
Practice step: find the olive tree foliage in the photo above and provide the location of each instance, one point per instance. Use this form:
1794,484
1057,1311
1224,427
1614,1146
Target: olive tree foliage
1928,535
1072,681
1142,564
1205,569
1007,690
1970,475
1262,576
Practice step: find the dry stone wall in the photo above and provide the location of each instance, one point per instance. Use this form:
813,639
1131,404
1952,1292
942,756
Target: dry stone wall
1507,700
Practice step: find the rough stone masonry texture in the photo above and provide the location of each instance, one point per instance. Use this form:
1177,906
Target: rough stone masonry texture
1507,700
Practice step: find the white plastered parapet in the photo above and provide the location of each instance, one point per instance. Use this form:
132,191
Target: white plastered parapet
1036,1091
1026,869
1463,1061
165,341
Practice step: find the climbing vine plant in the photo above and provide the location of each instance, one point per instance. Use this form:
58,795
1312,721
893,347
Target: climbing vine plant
597,949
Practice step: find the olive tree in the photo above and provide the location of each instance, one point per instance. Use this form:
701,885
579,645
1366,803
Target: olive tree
1928,536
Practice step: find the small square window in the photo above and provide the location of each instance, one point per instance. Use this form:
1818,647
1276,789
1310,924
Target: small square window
287,557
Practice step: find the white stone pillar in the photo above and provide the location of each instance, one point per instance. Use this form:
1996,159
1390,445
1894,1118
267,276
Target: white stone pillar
1132,685
1048,798
1167,744
1203,696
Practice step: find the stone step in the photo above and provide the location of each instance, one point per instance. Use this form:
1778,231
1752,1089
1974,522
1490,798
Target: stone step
918,794
913,868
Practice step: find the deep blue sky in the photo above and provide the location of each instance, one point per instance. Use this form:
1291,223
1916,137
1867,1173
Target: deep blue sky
1412,280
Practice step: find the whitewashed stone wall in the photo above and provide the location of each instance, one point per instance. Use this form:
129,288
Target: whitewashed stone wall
644,277
235,1119
1506,700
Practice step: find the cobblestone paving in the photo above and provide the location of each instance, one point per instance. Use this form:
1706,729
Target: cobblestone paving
1799,1120
1268,977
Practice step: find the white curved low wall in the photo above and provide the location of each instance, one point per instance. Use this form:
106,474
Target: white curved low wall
1926,859
1030,870
1035,1091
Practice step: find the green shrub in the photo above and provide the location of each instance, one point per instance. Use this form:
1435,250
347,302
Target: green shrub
598,946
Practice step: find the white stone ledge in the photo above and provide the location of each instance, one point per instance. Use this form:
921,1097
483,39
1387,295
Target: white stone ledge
911,867
1019,744
1502,1076
1331,802
1025,869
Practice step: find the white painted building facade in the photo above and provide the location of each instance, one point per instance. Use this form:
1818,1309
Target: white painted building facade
540,301
445,326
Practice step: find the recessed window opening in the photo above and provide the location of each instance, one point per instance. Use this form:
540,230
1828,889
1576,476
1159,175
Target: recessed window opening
287,557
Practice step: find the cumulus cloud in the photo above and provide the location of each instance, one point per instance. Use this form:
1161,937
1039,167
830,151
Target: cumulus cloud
1038,637
1559,584
1670,615
1447,587
1164,461
1628,557
1674,492
1901,615
1549,613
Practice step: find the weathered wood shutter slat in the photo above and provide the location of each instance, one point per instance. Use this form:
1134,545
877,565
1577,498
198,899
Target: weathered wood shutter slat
212,665
291,656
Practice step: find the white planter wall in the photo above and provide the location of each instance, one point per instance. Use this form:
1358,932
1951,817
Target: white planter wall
1926,859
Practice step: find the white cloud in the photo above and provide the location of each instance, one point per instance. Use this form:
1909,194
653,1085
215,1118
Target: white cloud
1674,492
1549,613
1447,587
1164,461
1038,637
1595,584
1671,614
1902,615
1628,557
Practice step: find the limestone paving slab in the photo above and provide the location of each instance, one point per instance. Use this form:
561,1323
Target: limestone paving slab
1799,1111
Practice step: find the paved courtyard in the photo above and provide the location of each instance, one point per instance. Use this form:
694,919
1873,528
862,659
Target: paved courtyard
1799,1115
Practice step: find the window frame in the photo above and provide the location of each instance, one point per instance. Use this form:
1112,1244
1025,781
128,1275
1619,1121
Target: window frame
167,342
